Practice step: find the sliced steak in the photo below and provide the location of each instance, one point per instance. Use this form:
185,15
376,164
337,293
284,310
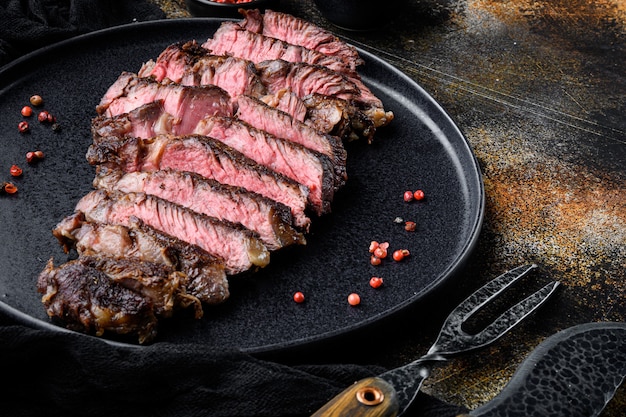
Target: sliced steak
190,104
271,220
238,247
190,64
231,39
310,168
205,156
204,275
297,31
304,79
280,124
85,299
307,80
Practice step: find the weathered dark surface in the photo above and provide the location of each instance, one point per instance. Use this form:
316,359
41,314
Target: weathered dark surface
539,89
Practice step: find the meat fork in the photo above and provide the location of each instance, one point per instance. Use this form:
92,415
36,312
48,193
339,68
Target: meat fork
390,393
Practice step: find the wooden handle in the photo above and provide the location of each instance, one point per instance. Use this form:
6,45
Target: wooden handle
369,397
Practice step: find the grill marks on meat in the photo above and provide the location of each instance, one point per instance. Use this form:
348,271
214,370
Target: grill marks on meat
240,249
207,157
272,221
204,276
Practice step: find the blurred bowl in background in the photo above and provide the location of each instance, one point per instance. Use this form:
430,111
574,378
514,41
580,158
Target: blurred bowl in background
358,15
208,8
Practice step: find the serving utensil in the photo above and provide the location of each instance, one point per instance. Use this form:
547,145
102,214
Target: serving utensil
391,393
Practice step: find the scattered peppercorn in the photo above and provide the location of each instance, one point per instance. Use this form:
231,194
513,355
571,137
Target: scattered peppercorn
34,156
15,171
298,297
418,195
408,196
354,299
44,116
56,127
400,254
9,188
27,111
23,127
375,260
376,282
36,100
410,226
380,252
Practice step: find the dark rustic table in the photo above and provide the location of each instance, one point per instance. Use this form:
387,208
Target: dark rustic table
539,90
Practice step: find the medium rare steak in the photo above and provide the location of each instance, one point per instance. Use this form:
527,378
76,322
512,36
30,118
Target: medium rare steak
188,103
280,124
85,299
271,220
204,276
205,156
306,80
310,168
240,249
297,31
190,64
232,39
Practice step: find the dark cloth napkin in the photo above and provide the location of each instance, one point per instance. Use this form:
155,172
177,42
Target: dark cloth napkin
26,25
50,373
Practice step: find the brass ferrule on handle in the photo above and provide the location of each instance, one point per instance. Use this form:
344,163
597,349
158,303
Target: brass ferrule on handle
369,397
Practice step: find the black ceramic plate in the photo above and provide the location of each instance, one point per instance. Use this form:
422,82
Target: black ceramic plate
422,148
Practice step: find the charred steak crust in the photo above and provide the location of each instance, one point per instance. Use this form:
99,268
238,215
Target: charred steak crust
204,275
87,300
